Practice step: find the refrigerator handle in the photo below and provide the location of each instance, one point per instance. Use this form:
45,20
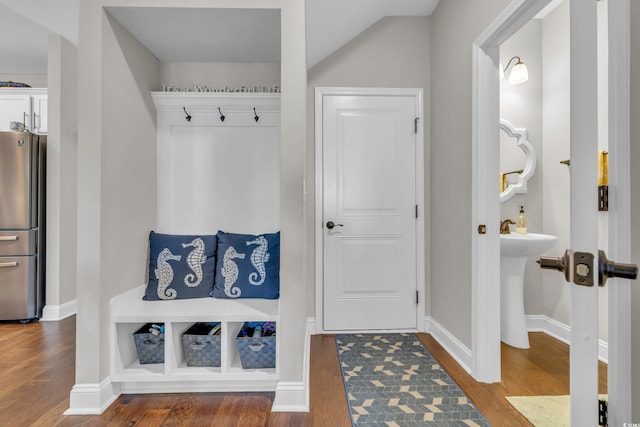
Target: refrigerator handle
8,238
9,264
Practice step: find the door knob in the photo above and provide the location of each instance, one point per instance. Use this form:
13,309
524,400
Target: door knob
557,263
331,225
576,267
608,269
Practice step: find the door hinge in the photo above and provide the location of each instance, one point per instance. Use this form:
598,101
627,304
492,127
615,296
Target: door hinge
417,297
415,124
603,412
416,211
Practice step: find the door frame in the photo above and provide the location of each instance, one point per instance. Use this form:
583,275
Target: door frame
486,206
423,207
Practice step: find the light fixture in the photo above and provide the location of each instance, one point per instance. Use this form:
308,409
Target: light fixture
519,73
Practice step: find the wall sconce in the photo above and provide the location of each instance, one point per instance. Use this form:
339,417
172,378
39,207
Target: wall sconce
519,73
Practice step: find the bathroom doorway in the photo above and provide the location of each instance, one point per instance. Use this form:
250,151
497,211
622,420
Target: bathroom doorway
541,106
486,340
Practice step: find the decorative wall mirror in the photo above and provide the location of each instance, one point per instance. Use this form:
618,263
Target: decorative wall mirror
515,169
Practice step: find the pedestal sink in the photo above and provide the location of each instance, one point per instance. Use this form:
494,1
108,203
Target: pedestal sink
514,251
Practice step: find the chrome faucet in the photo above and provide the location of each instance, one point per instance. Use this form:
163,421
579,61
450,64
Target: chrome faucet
504,226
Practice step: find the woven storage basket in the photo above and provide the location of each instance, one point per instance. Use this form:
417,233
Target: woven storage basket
150,347
256,352
201,349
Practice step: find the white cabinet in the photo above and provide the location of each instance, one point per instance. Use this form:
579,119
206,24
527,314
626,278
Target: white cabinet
24,105
39,113
128,312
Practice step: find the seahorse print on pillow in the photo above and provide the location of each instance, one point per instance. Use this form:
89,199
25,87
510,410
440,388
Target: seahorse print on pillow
248,266
180,266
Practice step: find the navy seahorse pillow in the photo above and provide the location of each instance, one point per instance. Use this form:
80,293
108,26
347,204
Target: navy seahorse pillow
180,266
247,266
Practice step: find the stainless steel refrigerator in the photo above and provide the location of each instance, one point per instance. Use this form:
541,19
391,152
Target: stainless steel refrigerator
22,223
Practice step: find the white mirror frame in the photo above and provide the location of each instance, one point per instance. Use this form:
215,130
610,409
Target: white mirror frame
521,139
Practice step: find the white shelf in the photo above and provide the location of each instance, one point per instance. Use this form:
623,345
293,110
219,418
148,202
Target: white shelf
129,312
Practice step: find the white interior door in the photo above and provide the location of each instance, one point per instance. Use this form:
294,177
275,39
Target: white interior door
369,212
584,214
584,271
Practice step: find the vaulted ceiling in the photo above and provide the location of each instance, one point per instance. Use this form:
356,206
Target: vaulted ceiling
193,34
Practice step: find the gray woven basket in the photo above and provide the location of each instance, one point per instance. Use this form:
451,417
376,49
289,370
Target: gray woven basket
257,352
150,347
201,349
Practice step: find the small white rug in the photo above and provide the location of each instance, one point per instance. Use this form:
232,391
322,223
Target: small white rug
545,411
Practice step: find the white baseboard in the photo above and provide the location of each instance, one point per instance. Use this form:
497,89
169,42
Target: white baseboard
291,397
562,332
92,399
55,313
450,343
535,323
294,396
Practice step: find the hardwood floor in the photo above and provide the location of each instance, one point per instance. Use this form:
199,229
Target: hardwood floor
37,372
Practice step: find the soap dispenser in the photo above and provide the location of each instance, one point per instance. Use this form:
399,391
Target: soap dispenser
521,222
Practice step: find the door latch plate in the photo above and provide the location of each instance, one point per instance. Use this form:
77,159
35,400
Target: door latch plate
576,266
582,267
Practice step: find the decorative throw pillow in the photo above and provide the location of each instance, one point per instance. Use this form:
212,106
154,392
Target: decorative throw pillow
180,266
247,266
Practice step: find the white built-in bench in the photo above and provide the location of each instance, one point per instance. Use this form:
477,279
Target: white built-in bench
128,312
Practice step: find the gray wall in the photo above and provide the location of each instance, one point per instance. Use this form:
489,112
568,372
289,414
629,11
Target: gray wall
455,26
219,74
522,106
62,143
556,114
116,177
635,200
394,52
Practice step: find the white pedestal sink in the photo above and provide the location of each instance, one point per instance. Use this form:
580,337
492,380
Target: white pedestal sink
514,251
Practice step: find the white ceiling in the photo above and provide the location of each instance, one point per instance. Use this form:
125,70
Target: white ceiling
194,34
204,35
24,28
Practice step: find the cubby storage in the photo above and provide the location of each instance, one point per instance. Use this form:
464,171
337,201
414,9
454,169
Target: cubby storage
128,312
256,352
201,344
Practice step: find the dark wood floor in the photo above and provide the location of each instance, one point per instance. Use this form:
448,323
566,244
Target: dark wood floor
37,373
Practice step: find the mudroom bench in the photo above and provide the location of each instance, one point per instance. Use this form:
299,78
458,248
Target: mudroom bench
128,313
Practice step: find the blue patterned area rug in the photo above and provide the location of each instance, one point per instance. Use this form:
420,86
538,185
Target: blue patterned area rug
392,380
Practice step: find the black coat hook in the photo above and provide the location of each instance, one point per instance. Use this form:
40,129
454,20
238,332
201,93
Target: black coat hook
255,115
222,117
188,117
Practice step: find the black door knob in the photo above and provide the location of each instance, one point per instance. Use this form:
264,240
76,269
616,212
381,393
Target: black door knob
331,225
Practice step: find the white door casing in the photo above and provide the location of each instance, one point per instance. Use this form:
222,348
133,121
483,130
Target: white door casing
485,251
369,183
